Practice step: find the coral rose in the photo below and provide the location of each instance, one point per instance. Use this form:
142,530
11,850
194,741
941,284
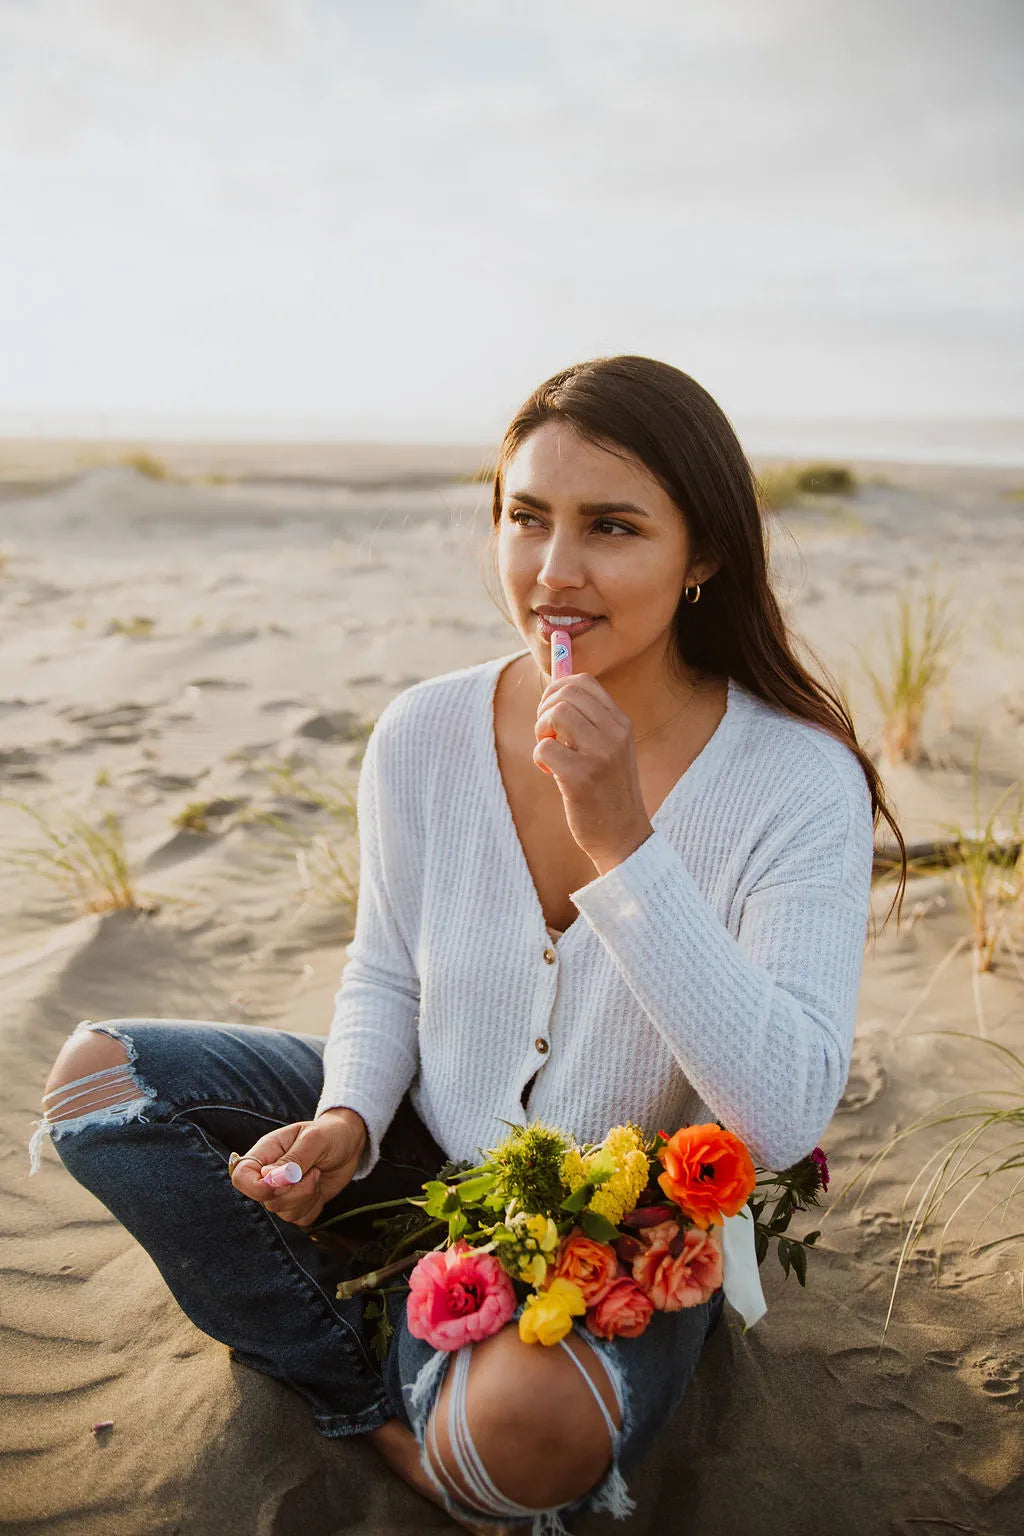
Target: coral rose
678,1268
589,1264
458,1296
623,1311
708,1173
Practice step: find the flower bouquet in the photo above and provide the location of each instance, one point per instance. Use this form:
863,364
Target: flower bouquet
610,1233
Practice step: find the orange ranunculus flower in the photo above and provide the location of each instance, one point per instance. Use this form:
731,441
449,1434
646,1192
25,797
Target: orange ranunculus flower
678,1269
708,1173
589,1264
622,1313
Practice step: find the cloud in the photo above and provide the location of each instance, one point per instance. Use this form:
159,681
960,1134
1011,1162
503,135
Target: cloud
409,212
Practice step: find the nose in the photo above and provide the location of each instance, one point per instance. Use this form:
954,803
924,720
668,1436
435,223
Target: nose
562,566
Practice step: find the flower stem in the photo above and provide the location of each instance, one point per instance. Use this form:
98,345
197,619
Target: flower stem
371,1281
360,1210
414,1237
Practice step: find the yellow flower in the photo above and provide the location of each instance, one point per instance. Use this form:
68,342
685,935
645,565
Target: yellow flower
547,1315
534,1270
622,1155
574,1170
544,1231
619,1195
543,1239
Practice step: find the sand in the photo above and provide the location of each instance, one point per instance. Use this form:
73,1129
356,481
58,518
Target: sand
284,602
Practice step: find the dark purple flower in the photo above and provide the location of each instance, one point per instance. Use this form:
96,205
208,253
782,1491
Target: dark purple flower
821,1162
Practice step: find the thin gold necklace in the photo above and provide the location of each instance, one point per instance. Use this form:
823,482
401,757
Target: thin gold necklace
638,739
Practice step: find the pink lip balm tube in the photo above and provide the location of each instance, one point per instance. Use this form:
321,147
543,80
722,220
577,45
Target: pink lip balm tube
281,1177
561,653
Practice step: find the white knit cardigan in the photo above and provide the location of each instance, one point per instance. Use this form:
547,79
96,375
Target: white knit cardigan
712,975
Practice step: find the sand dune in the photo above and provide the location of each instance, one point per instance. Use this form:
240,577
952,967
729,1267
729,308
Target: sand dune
167,643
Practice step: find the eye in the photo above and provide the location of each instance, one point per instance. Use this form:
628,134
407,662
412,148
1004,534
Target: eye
601,522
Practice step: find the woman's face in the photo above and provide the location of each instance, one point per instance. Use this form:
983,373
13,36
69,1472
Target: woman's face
583,528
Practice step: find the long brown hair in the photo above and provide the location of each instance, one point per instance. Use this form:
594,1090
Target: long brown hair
667,421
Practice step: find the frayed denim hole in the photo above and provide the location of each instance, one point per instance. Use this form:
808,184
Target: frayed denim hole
118,1111
611,1493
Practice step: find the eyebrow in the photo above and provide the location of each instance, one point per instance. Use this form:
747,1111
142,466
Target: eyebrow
586,508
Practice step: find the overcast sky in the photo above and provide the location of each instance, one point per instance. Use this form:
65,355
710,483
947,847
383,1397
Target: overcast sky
387,218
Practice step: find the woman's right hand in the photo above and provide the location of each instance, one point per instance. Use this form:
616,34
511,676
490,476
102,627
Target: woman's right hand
327,1150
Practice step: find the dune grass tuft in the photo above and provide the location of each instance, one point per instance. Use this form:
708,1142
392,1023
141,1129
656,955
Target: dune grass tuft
327,860
193,816
1001,1126
88,862
789,485
147,464
919,649
988,865
136,628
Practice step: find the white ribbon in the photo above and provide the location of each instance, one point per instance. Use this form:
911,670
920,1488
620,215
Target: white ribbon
741,1278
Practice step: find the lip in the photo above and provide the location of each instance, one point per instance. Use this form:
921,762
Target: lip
575,613
547,629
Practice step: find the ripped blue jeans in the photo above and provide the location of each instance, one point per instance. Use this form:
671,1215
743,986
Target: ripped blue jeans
153,1145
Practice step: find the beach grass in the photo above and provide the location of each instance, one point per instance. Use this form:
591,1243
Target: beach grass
193,817
86,860
136,628
147,464
988,865
994,1131
327,861
791,485
919,650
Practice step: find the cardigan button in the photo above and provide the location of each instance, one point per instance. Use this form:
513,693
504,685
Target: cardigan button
549,956
541,1044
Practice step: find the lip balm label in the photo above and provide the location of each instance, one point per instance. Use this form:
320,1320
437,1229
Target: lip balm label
560,652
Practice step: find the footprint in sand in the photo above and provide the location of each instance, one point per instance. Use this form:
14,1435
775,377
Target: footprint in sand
946,1359
332,725
19,763
122,724
1003,1375
866,1080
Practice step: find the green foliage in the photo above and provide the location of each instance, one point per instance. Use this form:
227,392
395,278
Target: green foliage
88,862
193,816
789,485
599,1227
383,1333
528,1164
826,480
989,868
147,464
919,647
137,628
955,1165
797,1188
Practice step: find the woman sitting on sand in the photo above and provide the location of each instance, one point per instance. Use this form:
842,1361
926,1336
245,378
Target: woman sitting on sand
637,892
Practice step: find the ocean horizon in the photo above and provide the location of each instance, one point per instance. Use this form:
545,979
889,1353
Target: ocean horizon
991,441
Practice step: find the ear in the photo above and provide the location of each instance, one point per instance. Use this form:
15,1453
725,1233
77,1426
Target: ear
703,571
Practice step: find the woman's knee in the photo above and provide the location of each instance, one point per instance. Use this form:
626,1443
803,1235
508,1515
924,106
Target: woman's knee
534,1423
93,1069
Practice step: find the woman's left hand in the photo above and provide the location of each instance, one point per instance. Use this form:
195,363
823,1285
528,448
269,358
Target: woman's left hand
593,762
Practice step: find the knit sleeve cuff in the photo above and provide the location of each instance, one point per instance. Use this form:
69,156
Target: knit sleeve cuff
617,896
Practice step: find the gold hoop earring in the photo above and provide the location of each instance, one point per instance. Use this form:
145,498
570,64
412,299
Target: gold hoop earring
688,589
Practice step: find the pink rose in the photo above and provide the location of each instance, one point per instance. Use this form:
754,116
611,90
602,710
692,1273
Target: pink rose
623,1311
458,1296
678,1268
